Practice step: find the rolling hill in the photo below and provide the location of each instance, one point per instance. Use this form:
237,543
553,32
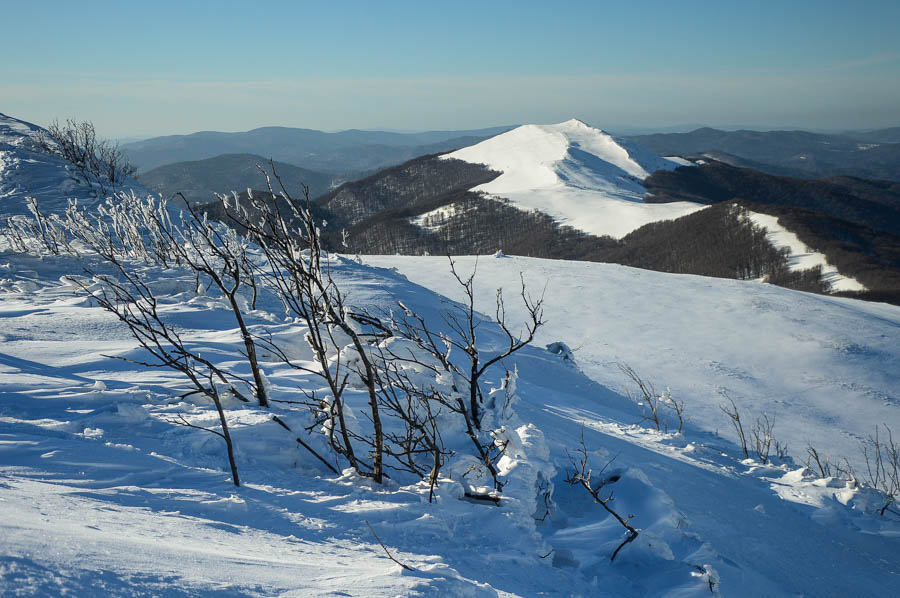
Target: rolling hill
200,180
345,151
798,153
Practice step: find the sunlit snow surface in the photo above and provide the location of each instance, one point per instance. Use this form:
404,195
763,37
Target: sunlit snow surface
579,175
101,494
801,257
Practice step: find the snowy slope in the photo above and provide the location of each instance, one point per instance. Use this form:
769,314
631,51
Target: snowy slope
105,496
801,257
25,170
103,493
580,175
827,368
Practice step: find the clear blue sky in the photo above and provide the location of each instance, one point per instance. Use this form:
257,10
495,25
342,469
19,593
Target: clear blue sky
152,68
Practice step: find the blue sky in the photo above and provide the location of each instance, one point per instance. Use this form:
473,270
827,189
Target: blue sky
151,68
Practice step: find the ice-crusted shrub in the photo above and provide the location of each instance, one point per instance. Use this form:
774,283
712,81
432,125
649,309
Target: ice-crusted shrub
655,405
42,234
877,487
98,162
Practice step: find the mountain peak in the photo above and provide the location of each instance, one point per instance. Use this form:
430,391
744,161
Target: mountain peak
569,153
574,122
576,173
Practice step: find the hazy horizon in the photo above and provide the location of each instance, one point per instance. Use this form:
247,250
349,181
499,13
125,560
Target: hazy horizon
617,129
138,71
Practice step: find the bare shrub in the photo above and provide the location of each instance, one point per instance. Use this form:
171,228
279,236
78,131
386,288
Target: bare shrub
735,417
882,455
467,398
761,436
654,405
99,161
763,440
825,467
581,475
129,297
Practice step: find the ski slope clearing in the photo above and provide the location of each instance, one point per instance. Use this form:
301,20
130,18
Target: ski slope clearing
802,257
579,175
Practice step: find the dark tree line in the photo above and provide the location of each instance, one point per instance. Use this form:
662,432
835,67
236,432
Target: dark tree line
868,254
871,203
718,241
418,181
475,224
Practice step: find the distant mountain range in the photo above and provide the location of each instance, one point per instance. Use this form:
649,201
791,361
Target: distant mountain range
891,135
336,153
873,154
200,180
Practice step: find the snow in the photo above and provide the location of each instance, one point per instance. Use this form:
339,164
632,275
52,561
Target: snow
104,494
801,257
681,161
826,367
436,216
579,175
26,170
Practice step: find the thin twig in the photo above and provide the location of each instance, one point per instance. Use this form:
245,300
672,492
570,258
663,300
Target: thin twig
386,551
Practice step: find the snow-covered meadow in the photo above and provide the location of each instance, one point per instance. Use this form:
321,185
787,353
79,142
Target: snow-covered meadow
106,491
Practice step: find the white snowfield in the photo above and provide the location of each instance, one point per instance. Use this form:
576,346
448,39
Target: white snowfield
801,257
827,368
579,175
103,494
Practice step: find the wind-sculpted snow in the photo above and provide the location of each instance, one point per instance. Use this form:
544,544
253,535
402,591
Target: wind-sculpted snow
103,494
580,175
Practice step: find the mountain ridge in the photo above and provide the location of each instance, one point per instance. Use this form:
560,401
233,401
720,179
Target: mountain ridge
789,151
343,151
200,180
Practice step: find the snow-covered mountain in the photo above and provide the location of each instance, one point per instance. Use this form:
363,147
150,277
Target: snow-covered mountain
579,175
106,489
